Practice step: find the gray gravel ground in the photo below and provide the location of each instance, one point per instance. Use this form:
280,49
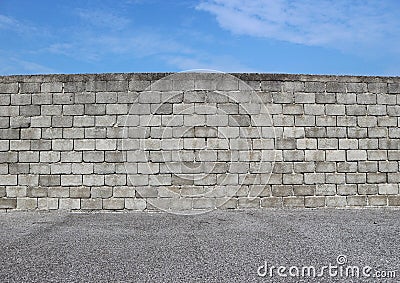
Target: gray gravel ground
220,246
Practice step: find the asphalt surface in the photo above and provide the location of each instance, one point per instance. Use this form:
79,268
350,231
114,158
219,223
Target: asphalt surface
231,246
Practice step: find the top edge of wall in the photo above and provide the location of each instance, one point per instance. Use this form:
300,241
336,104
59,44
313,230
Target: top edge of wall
157,76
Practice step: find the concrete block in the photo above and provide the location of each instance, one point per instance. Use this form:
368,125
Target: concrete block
71,180
93,180
315,132
346,189
325,98
292,179
304,190
367,189
113,204
271,86
61,121
51,87
5,99
356,110
135,204
388,189
335,87
283,97
63,98
325,166
378,200
31,134
282,190
394,200
356,178
393,110
45,203
335,109
314,201
58,192
296,201
8,157
314,155
325,190
9,111
8,180
376,178
356,155
4,122
335,178
21,99
377,155
69,204
85,97
106,97
357,200
27,203
393,88
74,86
91,204
71,156
218,120
73,110
123,192
8,203
336,201
388,166
293,155
20,122
117,85
248,202
79,192
367,166
336,155
95,109
346,121
93,156
378,110
272,202
366,98
138,85
387,122
16,191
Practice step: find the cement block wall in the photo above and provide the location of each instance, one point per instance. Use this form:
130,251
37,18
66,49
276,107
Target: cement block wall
198,141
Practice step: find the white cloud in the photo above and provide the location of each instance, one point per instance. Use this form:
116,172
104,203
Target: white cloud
103,19
9,23
15,65
332,23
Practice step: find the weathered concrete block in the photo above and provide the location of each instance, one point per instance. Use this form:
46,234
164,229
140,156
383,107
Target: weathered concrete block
79,192
69,204
24,203
91,204
8,203
45,203
336,201
388,189
135,204
314,202
295,201
357,200
378,200
113,204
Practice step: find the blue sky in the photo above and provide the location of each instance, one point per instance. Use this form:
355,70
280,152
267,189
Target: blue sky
357,37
